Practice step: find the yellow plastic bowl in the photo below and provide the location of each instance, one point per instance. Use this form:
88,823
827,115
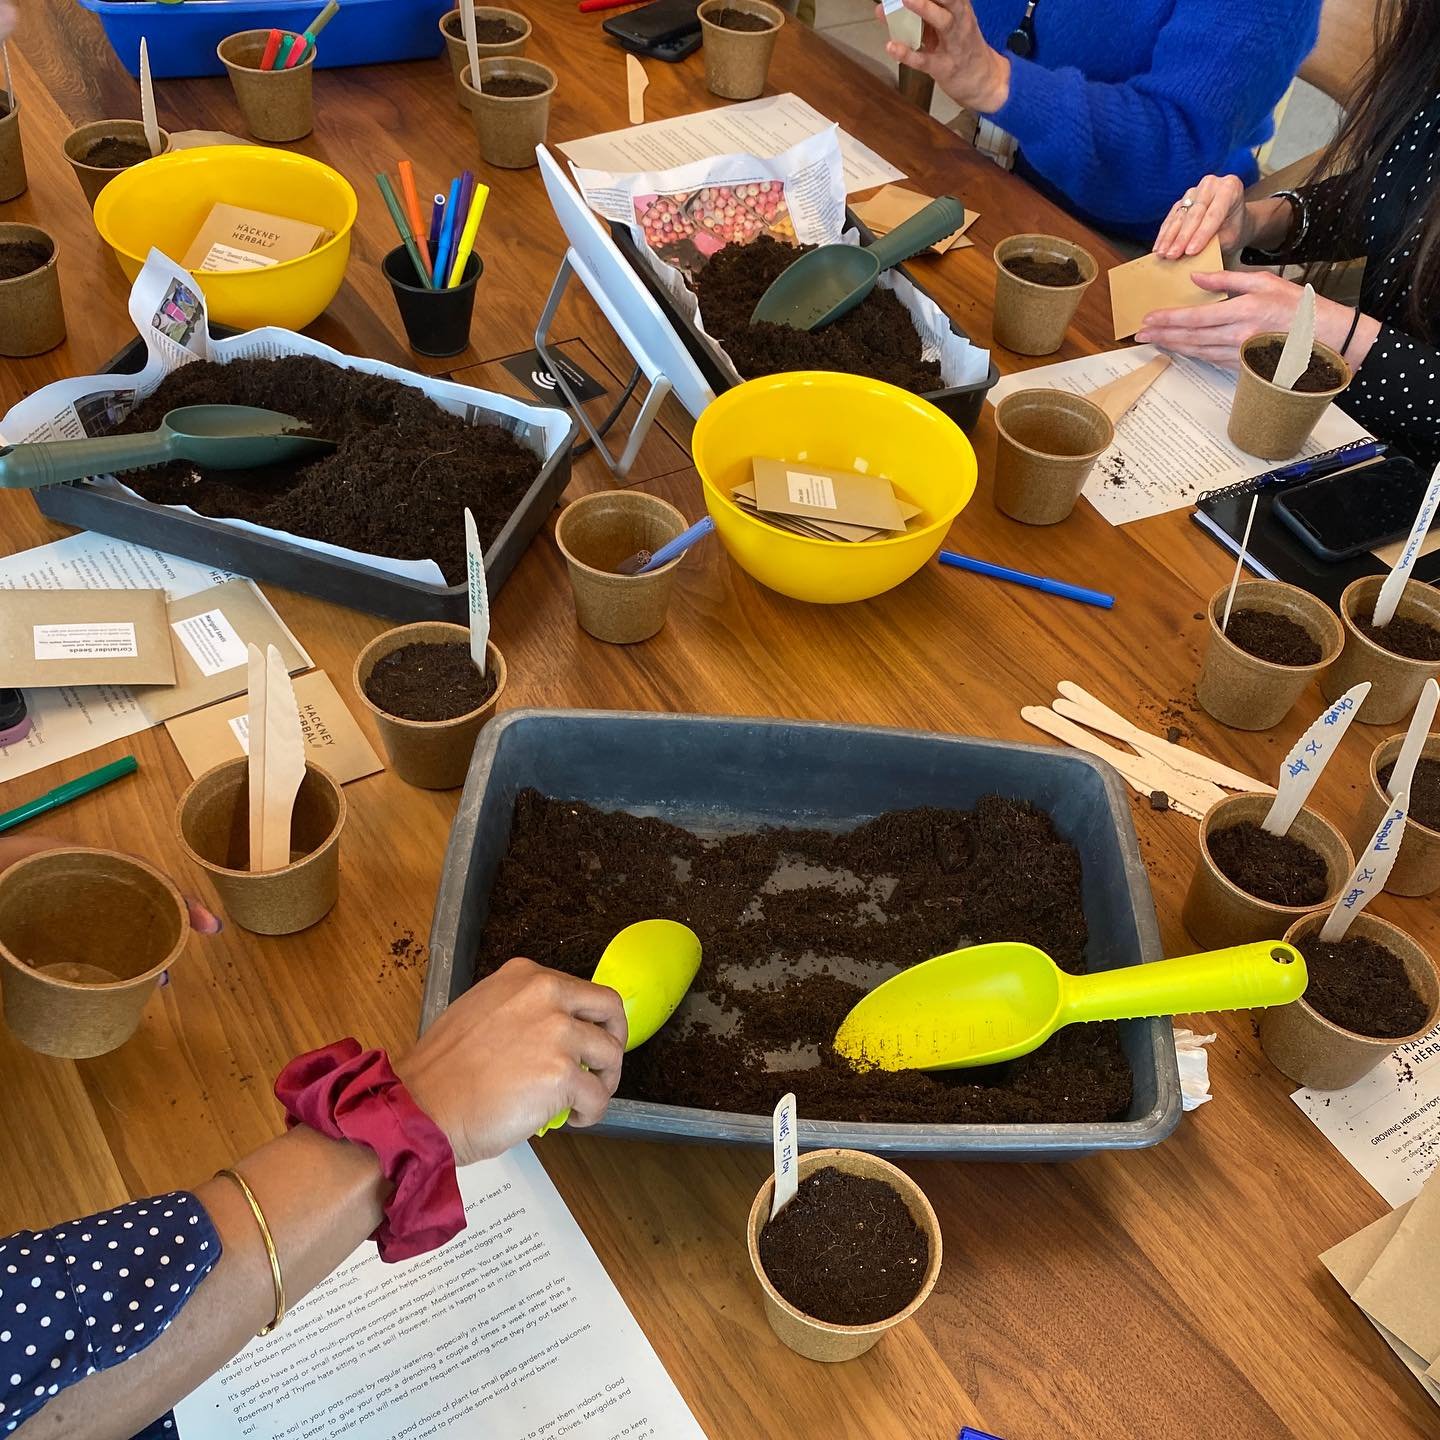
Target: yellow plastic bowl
841,422
164,202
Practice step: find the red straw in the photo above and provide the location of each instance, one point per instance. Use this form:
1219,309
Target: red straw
272,46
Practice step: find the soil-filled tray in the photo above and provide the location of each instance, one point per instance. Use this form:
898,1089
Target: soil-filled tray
208,539
726,781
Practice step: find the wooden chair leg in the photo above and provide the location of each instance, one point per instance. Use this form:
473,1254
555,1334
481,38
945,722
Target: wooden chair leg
916,87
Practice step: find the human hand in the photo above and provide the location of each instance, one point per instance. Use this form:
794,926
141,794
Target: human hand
8,17
1216,206
520,1046
954,54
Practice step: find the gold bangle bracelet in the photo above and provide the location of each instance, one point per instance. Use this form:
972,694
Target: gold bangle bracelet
276,1278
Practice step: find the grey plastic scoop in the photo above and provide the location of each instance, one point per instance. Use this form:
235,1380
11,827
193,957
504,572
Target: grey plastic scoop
220,437
831,281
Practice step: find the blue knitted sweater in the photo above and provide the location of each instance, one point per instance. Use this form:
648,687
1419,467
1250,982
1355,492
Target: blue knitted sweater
1127,102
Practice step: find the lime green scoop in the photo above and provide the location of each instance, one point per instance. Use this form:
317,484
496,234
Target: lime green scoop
994,1002
651,965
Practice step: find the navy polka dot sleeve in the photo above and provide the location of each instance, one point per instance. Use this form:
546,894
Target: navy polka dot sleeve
91,1293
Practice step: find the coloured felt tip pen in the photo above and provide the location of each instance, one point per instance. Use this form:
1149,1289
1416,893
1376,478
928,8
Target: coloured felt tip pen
71,790
1044,583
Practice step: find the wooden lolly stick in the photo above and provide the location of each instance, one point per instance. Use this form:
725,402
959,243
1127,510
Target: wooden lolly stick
255,741
284,761
1117,396
147,101
1239,564
636,84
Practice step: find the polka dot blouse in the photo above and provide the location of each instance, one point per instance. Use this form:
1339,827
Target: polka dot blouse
91,1293
1396,392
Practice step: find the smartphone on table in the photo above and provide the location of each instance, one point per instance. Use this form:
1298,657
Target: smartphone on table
665,30
1340,516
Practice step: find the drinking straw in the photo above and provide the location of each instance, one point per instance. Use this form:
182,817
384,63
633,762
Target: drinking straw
403,226
299,51
272,48
437,214
286,41
412,211
467,238
1033,582
71,790
447,226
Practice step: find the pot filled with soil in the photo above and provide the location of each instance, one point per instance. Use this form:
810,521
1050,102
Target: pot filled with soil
213,821
1039,283
510,109
1266,419
596,534
1278,640
1417,866
85,936
1370,992
1251,885
1397,659
32,318
497,33
854,1254
428,698
1047,442
12,155
739,41
276,105
98,152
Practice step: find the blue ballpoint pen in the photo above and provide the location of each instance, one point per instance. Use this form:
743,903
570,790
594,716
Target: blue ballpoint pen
1328,461
1044,583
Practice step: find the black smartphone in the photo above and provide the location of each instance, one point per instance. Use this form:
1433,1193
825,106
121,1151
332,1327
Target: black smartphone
664,29
1341,516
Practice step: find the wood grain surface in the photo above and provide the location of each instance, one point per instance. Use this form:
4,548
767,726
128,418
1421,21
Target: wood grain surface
1170,1294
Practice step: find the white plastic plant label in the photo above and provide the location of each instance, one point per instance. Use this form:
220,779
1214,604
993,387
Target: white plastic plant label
1371,871
97,640
904,25
1306,762
478,592
211,642
787,1168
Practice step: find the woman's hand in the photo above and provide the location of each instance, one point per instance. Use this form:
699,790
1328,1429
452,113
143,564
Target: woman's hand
954,54
1216,206
8,18
515,1049
1214,333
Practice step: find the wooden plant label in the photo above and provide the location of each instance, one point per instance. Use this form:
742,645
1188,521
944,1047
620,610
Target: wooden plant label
1307,761
787,1167
1371,871
1388,600
479,594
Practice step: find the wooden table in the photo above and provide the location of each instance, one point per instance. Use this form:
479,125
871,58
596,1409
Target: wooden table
1169,1293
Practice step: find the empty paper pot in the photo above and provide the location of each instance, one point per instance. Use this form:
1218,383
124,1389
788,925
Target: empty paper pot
510,110
276,105
1047,441
12,156
1314,1051
437,321
97,163
1242,690
595,534
492,20
1270,421
1417,867
1030,317
1395,680
818,1339
430,754
213,820
84,937
737,54
32,318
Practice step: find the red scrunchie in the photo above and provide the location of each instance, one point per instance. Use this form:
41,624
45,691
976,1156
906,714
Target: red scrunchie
352,1094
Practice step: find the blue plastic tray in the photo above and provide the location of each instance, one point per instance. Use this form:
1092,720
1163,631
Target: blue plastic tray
183,37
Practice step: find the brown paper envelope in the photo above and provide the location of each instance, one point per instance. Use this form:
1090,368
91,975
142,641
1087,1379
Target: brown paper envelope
1151,283
1402,1289
818,493
84,637
332,738
210,631
894,205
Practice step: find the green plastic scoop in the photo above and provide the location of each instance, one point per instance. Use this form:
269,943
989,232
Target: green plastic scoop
833,279
220,437
994,1002
651,965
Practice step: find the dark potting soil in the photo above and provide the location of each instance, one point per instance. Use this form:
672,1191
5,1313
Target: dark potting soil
112,153
489,29
1277,868
732,19
876,339
397,485
1276,638
846,1249
20,257
510,87
1424,791
796,925
429,682
1358,984
1411,638
1038,271
1319,374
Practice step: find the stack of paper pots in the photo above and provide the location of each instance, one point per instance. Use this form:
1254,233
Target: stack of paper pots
32,318
737,61
458,52
276,105
1031,319
1417,867
94,178
509,127
1046,443
1266,419
12,154
1395,680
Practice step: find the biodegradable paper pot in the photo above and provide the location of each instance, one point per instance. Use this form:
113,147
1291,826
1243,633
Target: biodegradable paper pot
1271,422
1048,440
737,61
437,322
430,754
509,127
1396,682
1240,689
276,105
12,156
84,937
1417,867
460,56
32,319
94,178
1317,1053
213,820
1031,319
596,533
817,1339
1218,913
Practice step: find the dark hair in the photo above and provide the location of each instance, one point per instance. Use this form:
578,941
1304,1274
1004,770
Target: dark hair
1401,76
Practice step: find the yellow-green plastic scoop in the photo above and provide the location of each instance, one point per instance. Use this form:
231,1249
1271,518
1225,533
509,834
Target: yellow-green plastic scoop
651,965
994,1002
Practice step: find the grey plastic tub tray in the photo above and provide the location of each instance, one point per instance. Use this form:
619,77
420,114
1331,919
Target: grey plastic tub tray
280,562
713,774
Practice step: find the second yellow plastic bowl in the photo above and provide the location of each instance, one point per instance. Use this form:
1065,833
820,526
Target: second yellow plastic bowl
164,202
841,422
